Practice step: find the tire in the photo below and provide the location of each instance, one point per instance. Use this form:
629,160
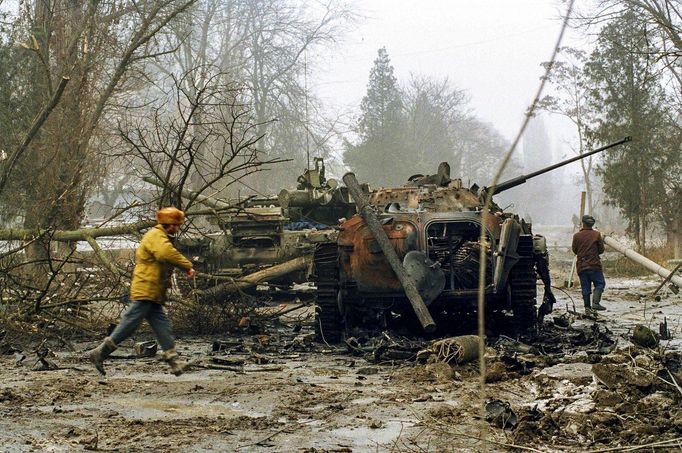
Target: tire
328,319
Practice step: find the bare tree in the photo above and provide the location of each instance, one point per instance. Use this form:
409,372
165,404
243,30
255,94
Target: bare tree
154,142
571,101
162,143
281,38
101,48
270,47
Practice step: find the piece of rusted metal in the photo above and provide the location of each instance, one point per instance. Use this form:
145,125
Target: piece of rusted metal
362,259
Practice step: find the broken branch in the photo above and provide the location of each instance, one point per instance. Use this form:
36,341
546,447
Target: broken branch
99,253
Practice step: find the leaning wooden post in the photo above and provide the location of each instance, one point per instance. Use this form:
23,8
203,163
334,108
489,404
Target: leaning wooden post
569,283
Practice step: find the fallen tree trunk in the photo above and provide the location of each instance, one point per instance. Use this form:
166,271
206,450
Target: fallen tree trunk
644,261
81,234
279,270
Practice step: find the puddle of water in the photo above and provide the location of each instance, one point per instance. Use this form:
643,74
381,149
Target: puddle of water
152,408
362,437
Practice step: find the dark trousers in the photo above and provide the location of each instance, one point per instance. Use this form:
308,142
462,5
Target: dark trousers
589,277
156,316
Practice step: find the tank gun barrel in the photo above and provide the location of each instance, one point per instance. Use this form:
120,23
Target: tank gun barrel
367,213
506,185
213,202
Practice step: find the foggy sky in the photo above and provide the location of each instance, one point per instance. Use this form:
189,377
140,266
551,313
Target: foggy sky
490,48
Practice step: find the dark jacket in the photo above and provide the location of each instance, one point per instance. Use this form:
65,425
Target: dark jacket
155,259
588,245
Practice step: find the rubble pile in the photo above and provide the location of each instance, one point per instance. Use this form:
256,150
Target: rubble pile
587,391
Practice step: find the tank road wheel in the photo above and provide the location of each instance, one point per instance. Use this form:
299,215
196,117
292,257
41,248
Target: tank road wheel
522,282
328,321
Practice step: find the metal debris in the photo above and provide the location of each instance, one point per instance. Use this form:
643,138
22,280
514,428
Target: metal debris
500,414
455,350
145,349
645,337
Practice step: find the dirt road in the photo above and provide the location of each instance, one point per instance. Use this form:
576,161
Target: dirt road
291,395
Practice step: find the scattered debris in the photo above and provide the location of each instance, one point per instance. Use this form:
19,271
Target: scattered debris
454,350
514,345
645,337
573,385
500,414
663,330
43,364
145,348
562,320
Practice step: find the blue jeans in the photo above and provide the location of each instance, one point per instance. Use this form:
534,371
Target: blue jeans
156,316
590,276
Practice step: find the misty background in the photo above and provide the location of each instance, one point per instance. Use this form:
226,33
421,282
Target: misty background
235,98
490,50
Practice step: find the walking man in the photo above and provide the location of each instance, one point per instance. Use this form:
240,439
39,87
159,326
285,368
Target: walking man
588,245
154,261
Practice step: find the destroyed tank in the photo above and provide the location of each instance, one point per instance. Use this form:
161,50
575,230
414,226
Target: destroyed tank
245,236
412,253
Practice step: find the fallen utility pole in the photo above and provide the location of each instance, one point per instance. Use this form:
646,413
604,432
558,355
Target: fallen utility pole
644,261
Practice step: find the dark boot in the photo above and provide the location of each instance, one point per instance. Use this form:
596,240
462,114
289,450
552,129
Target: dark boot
596,298
171,357
588,306
100,353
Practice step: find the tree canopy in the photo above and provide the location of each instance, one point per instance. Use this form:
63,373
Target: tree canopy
630,100
410,129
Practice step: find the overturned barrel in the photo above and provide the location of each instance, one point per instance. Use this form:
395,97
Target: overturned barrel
368,214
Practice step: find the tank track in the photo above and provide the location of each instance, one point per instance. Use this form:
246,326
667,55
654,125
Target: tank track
523,283
328,320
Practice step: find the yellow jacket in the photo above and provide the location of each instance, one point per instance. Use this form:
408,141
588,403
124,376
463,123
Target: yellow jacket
155,258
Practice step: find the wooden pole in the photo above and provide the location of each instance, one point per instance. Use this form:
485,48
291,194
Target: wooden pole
569,284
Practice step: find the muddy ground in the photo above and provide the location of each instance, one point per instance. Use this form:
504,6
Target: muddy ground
583,387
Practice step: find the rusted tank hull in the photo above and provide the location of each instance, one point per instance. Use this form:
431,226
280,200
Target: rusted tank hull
383,242
366,276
